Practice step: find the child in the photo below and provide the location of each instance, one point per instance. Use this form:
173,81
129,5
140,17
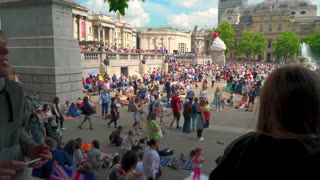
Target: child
127,142
114,167
197,161
139,167
77,155
207,114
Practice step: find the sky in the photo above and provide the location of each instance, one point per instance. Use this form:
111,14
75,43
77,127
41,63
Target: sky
182,14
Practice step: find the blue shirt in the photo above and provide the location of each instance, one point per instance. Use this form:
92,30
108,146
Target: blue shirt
105,97
194,108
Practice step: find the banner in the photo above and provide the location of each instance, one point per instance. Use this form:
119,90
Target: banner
83,30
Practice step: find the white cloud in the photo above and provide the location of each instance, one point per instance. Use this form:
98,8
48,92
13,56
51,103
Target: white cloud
200,18
135,14
196,4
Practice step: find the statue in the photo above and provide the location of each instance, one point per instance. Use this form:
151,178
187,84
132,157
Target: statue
218,48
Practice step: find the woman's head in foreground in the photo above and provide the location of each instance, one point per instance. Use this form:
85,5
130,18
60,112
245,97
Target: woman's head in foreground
290,102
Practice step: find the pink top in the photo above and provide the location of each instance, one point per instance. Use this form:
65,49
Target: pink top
197,161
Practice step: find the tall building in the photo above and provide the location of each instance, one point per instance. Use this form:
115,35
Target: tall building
271,19
226,4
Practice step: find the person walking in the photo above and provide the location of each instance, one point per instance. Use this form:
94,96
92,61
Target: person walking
176,108
104,100
56,111
87,110
114,112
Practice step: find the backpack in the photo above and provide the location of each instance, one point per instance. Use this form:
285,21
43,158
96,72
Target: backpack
166,152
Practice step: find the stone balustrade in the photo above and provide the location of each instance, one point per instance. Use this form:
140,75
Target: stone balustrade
125,63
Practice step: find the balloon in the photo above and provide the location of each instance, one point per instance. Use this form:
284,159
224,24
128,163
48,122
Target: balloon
215,35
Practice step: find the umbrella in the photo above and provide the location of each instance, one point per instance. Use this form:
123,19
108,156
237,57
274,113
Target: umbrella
92,73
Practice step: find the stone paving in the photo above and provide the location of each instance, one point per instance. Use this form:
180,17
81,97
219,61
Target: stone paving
225,126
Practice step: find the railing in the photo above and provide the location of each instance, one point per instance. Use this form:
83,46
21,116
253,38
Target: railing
91,56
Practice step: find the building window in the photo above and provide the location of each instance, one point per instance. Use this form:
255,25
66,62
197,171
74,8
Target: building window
261,27
271,18
261,18
303,12
279,27
90,30
280,18
270,27
293,13
269,43
229,18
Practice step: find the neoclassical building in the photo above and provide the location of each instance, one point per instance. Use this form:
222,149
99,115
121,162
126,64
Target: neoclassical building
164,38
102,29
272,19
201,41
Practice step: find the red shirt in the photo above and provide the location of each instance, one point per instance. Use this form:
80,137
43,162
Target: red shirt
176,104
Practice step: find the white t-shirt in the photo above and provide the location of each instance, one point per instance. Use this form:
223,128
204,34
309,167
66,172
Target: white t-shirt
139,169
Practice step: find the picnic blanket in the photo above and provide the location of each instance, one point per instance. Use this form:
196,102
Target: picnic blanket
185,164
167,106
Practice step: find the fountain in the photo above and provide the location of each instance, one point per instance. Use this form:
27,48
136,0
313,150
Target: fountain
305,56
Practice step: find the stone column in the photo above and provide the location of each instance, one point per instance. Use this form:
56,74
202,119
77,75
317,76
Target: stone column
44,66
110,37
75,26
103,35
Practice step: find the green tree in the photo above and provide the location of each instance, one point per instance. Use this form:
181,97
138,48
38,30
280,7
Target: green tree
314,42
251,44
287,46
118,5
226,34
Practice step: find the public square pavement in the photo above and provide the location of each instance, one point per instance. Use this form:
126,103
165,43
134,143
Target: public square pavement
225,126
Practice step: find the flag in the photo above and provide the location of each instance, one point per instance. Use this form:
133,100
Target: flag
64,173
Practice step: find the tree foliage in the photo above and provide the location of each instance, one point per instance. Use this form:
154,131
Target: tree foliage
226,34
118,5
287,46
251,44
314,42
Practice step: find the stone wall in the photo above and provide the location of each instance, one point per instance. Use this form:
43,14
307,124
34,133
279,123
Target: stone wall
92,62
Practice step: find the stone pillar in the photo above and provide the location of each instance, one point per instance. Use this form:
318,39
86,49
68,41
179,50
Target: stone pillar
103,35
218,56
110,38
99,30
37,55
75,26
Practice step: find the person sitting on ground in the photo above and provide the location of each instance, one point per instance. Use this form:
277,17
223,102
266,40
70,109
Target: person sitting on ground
70,146
53,131
85,169
94,155
59,156
73,111
288,131
128,142
77,156
231,100
116,137
114,167
244,102
128,165
36,129
79,103
65,107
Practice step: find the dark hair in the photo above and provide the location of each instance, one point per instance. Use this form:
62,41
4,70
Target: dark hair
56,100
140,155
112,99
151,142
129,161
52,143
85,100
77,145
72,105
195,99
96,144
115,160
290,101
79,140
153,116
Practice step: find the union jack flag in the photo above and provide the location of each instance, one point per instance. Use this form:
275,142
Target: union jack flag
64,173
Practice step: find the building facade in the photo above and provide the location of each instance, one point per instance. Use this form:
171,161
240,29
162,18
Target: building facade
201,41
226,4
102,29
272,19
165,39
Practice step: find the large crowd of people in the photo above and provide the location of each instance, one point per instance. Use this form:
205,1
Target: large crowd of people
288,123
